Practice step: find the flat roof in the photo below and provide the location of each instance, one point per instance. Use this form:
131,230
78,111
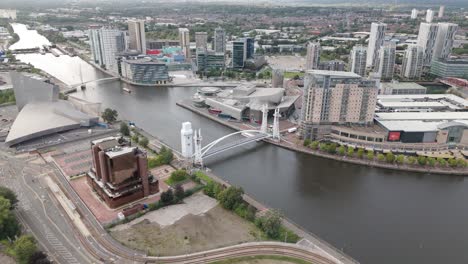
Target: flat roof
402,116
419,126
412,104
403,85
335,74
117,151
413,97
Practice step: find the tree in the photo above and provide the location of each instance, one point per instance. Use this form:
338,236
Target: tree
9,195
109,115
390,158
422,160
167,197
231,197
452,162
179,192
341,150
9,227
23,248
400,159
166,155
135,138
442,162
124,130
323,146
380,157
360,153
270,223
331,148
370,155
350,151
209,189
411,160
178,176
144,142
461,163
307,142
431,161
39,258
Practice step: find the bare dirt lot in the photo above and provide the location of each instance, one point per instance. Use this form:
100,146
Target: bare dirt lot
191,233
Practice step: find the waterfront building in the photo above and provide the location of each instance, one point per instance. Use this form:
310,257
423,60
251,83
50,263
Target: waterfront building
250,48
137,37
427,40
429,16
449,68
184,40
412,62
313,55
220,40
143,71
239,54
376,40
441,11
444,40
386,61
201,40
119,174
105,44
334,97
414,13
357,59
209,59
277,78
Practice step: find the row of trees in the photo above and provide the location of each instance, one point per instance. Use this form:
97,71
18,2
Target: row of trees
231,199
334,148
22,247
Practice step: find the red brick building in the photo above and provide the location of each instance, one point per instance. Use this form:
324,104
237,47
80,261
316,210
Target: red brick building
120,172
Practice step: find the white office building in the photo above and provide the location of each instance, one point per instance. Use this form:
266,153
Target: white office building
313,55
220,40
358,60
414,13
105,44
184,39
444,40
376,40
412,62
386,61
441,11
137,37
429,16
427,40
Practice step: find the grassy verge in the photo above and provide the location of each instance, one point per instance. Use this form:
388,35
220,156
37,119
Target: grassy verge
288,75
266,258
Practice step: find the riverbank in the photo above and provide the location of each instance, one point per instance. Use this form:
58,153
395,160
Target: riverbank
299,148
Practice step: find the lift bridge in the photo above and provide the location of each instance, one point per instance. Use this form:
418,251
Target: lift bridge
193,151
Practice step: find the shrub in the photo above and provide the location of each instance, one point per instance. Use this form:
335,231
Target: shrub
270,223
177,177
422,160
307,142
350,152
167,197
323,146
314,145
400,159
360,153
452,162
370,155
431,161
380,157
390,158
124,130
135,138
331,148
144,142
411,160
9,195
179,192
461,163
341,150
165,155
230,197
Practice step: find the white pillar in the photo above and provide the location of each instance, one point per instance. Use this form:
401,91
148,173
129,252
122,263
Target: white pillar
264,127
276,129
186,140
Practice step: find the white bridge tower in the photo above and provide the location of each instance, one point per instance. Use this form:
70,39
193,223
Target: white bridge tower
264,126
276,130
186,140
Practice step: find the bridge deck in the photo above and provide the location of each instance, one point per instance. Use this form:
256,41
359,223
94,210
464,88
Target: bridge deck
233,144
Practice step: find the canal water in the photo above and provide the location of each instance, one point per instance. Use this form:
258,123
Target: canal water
374,215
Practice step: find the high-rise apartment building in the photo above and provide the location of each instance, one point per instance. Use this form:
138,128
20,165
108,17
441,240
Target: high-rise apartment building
313,55
386,61
441,11
105,44
358,60
250,48
120,172
429,16
239,53
376,40
137,37
414,13
427,40
412,62
201,40
184,40
335,97
444,40
220,40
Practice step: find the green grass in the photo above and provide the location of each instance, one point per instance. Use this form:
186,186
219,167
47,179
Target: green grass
279,258
289,75
173,181
202,176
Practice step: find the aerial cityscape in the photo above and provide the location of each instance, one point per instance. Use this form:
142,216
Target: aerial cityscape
248,132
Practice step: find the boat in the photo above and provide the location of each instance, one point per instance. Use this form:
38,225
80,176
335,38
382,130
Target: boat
214,111
224,115
127,90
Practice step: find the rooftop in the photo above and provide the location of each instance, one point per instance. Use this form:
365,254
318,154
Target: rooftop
335,74
402,85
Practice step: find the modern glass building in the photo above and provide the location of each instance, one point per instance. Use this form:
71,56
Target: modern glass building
239,53
250,49
208,60
450,68
105,45
144,71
